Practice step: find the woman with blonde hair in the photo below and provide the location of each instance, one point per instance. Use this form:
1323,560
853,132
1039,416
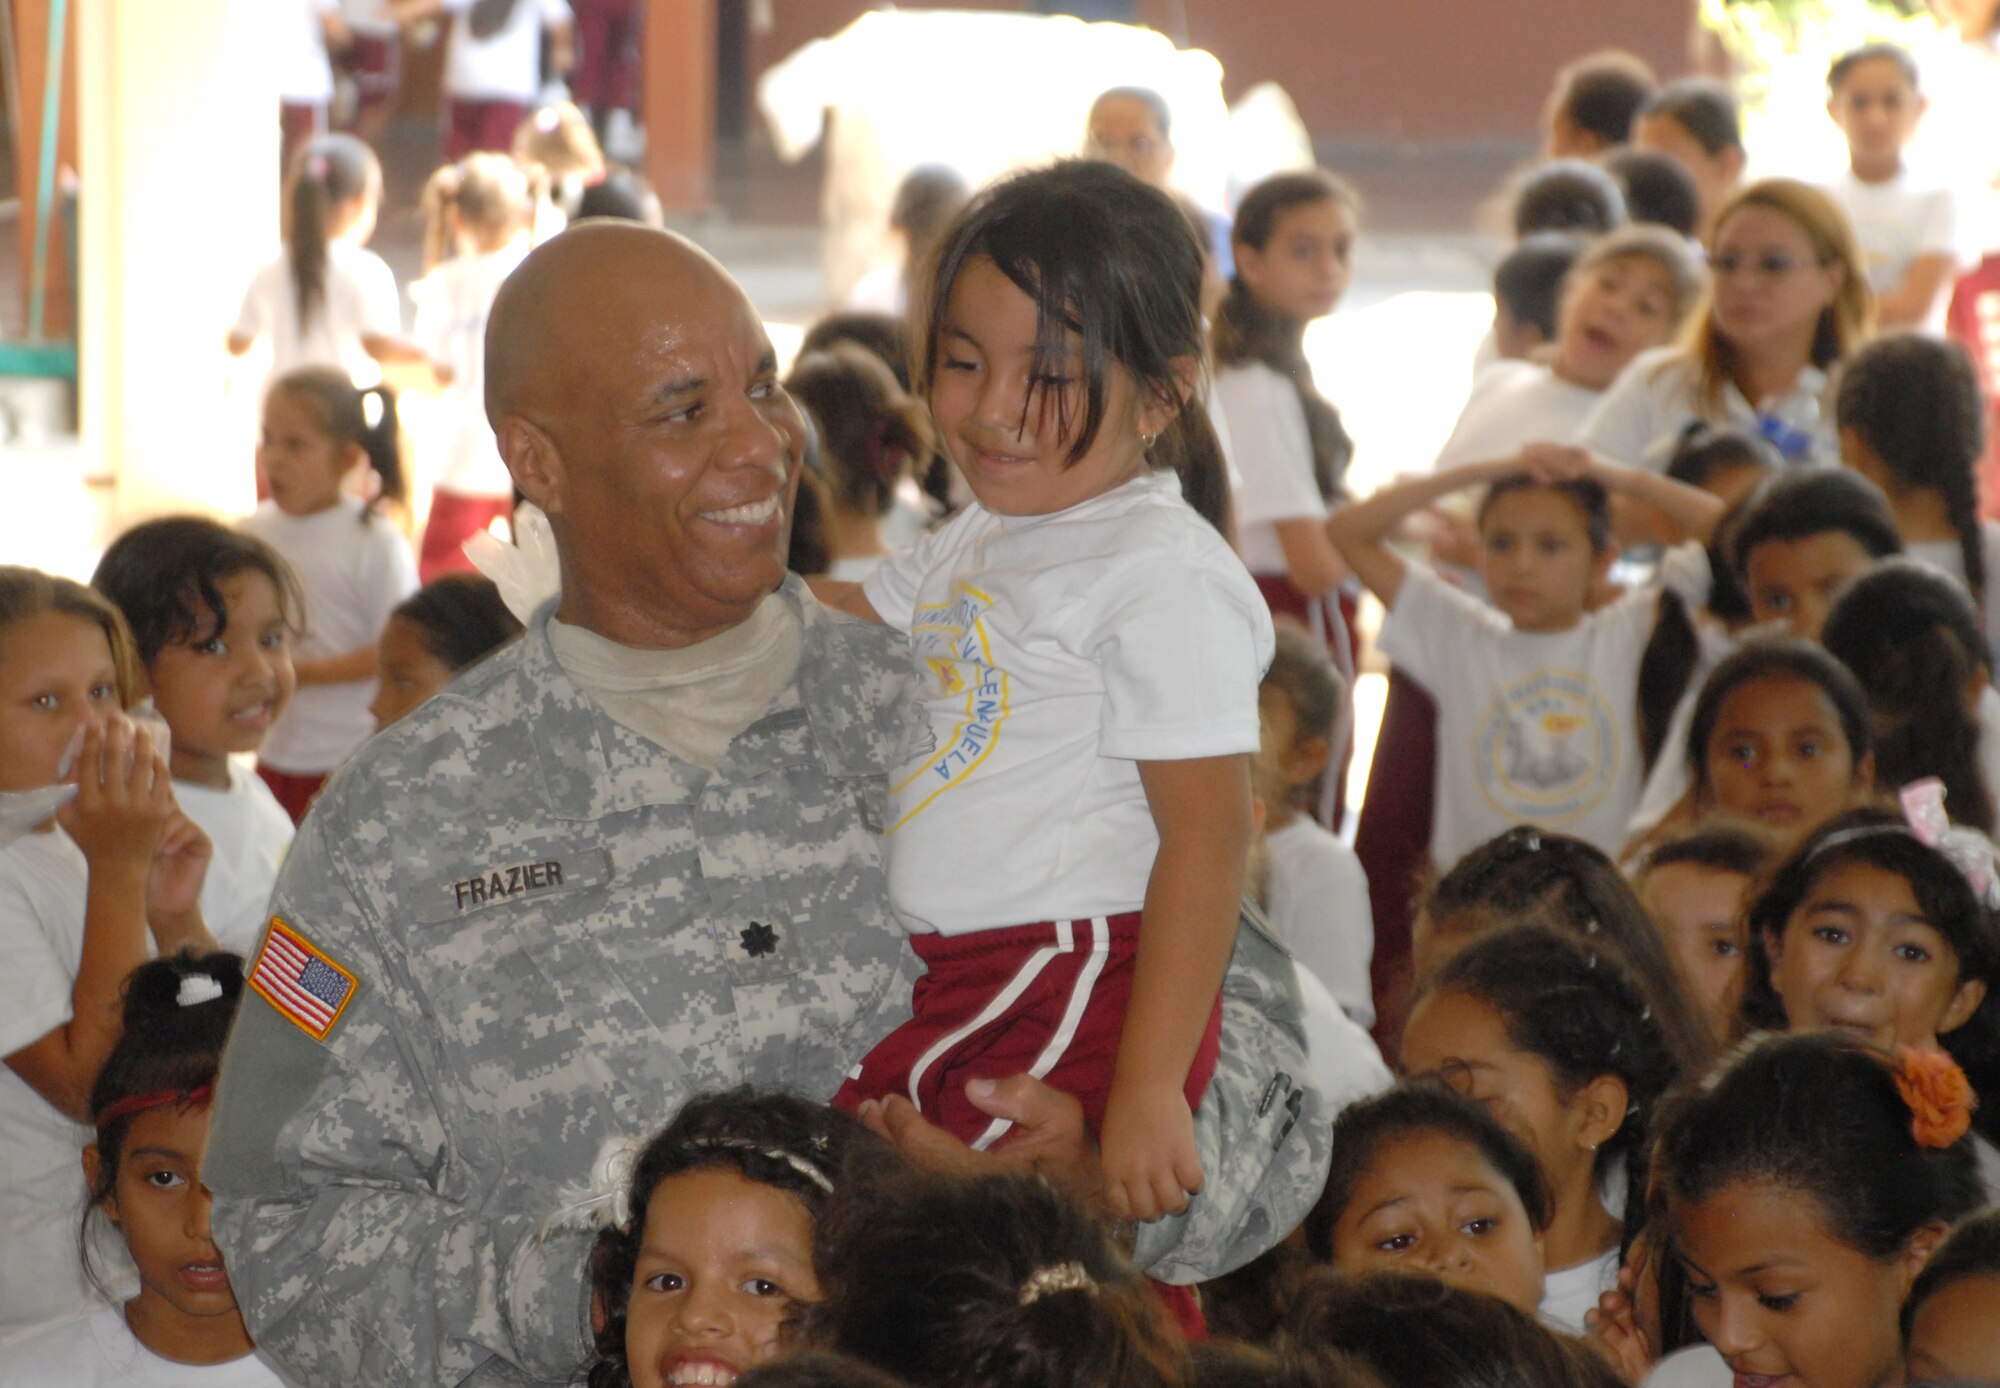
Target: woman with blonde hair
1787,303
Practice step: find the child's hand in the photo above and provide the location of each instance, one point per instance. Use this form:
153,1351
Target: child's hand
1613,1330
124,796
1148,1153
1560,462
173,891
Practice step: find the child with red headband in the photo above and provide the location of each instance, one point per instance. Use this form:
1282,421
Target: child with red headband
150,1109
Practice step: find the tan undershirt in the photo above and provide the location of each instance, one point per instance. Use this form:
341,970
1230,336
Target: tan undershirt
693,700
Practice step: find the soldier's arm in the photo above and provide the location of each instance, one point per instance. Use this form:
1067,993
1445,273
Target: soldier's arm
1263,1132
348,1209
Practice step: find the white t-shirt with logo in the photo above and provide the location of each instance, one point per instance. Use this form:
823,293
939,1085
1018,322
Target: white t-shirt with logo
1533,727
98,1350
453,302
250,831
1900,219
1053,654
42,882
361,301
1316,894
1272,453
353,574
506,66
1514,403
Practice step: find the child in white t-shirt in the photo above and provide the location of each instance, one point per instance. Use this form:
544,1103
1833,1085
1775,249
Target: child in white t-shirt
1537,699
87,891
1087,651
213,613
1908,227
479,211
352,566
150,1108
1315,891
493,64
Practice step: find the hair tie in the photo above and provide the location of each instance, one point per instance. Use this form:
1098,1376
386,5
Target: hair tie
1939,1096
198,1097
777,1154
547,119
1968,850
197,989
1059,1277
316,167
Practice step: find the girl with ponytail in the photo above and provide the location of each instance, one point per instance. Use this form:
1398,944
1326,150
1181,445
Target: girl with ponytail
1087,651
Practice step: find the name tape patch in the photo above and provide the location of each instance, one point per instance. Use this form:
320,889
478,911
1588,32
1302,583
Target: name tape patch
301,980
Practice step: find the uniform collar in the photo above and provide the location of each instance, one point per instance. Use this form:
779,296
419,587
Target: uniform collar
847,711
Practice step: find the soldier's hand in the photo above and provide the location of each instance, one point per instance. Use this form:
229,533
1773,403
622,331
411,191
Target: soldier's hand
1048,1136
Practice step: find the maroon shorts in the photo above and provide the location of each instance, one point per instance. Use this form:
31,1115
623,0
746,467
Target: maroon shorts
471,126
375,62
298,121
1047,1000
294,791
453,520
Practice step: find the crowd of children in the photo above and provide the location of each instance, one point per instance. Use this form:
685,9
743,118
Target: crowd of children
1676,906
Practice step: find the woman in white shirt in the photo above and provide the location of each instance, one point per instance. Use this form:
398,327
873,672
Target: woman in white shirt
1788,303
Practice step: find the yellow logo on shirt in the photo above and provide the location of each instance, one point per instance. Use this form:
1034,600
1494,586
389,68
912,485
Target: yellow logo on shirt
971,699
1549,750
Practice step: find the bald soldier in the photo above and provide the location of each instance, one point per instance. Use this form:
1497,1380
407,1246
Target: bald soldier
632,857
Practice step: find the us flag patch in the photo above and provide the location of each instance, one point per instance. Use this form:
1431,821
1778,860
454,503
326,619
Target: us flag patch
301,981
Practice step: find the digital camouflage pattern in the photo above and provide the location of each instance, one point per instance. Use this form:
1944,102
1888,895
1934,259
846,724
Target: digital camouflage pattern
560,933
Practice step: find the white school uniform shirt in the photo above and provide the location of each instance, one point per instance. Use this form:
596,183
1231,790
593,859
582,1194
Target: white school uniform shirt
42,882
508,65
304,72
1569,1292
1533,727
98,1350
1272,453
1696,1366
453,302
1639,420
361,301
353,575
1668,781
1053,654
1514,403
1900,219
1316,896
1949,555
250,831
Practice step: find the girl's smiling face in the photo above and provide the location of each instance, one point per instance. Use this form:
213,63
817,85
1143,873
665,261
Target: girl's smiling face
1859,956
1432,1204
1782,1299
721,1261
1779,755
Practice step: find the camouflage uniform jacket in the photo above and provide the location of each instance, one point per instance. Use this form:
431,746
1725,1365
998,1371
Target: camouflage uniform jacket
537,932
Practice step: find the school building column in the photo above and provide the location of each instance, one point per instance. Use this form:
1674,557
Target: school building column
679,92
178,126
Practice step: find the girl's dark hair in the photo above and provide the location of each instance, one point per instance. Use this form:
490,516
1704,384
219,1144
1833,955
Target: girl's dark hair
1302,670
1821,1116
1246,331
1576,1009
992,1281
26,593
1915,402
1880,839
1587,493
1603,92
1972,1250
1658,190
1705,108
1799,503
1776,658
817,1368
1707,451
1417,1108
1529,876
772,1138
166,1048
1528,282
164,575
1419,1332
883,334
364,417
1912,638
328,172
1567,195
1102,256
870,431
461,618
1869,52
1716,847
